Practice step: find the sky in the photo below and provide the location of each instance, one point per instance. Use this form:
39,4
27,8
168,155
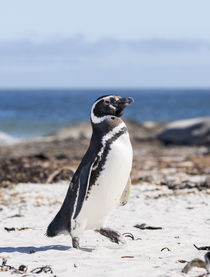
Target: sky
112,43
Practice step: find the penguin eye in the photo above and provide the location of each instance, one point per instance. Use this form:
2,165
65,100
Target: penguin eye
107,101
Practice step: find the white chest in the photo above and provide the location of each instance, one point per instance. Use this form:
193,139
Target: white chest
106,192
118,165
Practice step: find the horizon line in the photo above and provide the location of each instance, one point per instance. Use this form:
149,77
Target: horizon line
106,88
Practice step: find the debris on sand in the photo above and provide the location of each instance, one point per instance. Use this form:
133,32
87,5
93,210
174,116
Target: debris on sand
24,269
129,235
194,263
10,229
144,226
165,248
198,263
202,247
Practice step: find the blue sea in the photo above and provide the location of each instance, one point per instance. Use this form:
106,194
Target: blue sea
30,113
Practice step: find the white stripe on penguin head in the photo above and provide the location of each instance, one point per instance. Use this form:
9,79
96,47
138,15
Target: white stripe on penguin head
96,119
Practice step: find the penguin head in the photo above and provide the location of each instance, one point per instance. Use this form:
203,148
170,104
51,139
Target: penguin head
109,105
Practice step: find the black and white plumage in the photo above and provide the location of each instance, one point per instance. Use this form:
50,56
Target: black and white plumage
102,179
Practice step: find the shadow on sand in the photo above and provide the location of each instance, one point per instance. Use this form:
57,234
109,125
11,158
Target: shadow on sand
32,249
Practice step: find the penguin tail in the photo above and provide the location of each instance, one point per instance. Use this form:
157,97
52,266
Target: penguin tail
51,230
56,227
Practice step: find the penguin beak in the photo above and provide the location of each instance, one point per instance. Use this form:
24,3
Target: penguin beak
125,101
122,103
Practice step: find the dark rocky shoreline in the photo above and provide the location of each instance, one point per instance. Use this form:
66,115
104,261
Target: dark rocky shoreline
54,158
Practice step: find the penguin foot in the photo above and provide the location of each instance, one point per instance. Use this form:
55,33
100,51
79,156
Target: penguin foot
114,236
75,244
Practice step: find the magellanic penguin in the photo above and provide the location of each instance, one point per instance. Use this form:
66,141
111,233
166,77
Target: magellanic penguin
102,179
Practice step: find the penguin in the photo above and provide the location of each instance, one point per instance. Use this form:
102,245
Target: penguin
102,179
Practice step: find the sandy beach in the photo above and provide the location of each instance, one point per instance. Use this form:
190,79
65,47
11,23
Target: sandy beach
184,218
171,190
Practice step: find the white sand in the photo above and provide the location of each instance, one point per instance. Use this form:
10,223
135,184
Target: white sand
185,219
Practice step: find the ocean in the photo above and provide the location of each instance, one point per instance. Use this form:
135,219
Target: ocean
31,113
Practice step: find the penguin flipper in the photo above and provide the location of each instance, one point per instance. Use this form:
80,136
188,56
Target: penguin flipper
126,193
84,178
73,201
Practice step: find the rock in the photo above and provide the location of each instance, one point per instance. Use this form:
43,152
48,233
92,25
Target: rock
141,131
75,131
144,131
6,140
194,131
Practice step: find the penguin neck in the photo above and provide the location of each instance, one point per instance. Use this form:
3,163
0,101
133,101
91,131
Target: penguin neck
107,126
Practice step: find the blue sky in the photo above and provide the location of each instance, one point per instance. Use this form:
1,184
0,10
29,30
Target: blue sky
64,43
